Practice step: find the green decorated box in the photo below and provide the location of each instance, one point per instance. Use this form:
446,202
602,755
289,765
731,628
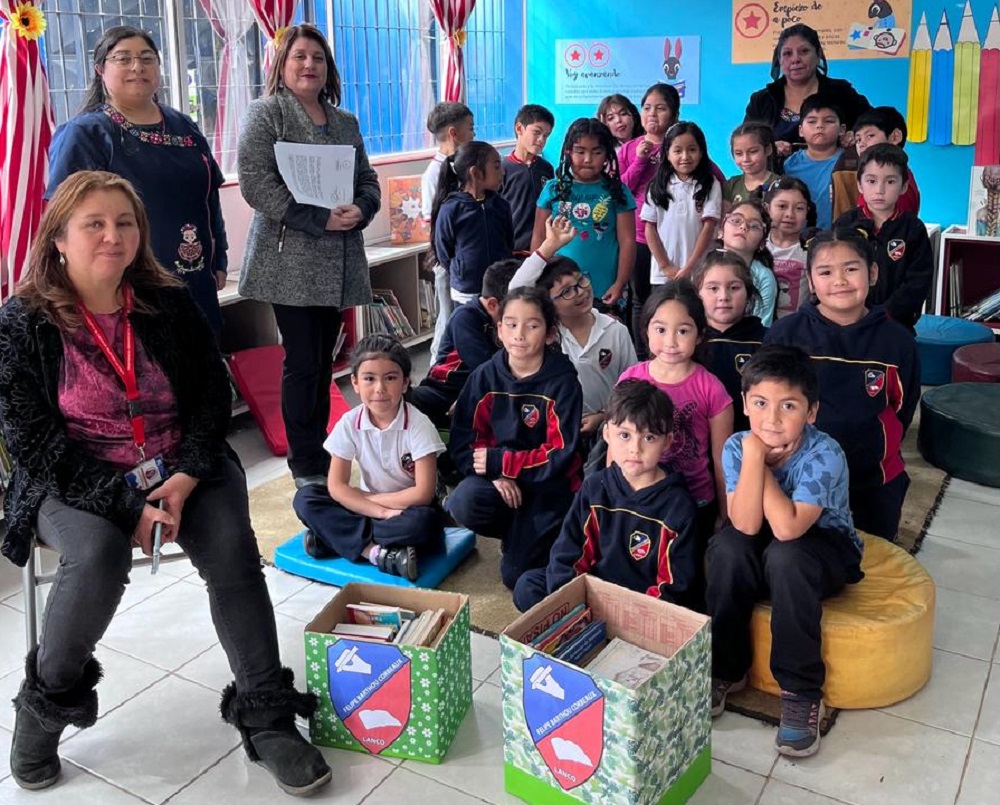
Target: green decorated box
571,736
387,699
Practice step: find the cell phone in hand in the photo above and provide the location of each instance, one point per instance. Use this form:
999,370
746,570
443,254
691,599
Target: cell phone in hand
157,542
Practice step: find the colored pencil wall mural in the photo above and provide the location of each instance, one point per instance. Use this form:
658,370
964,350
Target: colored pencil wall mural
942,85
920,83
988,120
965,101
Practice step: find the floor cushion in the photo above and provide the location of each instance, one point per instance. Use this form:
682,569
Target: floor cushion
960,431
976,363
937,339
877,634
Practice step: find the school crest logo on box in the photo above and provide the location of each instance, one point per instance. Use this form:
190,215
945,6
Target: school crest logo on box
564,711
896,249
369,688
638,545
874,381
741,361
604,358
530,415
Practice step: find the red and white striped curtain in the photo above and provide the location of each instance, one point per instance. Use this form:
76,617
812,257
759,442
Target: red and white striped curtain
274,16
452,16
230,19
25,131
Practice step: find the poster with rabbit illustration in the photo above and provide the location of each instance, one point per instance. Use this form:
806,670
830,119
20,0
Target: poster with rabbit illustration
589,69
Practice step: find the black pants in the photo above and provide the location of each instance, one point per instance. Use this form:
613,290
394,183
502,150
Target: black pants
877,509
526,533
433,402
640,293
797,576
309,335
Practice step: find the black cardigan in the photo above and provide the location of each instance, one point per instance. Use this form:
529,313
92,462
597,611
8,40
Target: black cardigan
766,104
46,461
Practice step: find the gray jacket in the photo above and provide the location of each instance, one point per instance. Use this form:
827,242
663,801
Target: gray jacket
290,257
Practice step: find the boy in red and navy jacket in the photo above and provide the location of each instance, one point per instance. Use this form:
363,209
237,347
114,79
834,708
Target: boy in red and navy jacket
902,248
633,523
530,428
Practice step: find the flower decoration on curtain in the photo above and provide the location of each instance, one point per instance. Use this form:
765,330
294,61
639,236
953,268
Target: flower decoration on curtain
25,131
273,16
231,20
452,15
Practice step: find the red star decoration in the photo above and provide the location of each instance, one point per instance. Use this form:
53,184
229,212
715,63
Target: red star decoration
575,55
751,20
598,55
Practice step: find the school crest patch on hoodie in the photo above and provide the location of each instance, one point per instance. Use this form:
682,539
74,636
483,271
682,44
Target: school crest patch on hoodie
530,415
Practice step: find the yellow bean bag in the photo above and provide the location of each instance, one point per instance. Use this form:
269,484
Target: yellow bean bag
877,634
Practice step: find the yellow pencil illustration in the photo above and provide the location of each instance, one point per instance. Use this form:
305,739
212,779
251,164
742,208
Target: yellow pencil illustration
920,83
966,97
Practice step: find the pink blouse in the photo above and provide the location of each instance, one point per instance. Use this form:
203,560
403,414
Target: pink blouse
92,399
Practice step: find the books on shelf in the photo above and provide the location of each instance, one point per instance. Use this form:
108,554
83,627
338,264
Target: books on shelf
428,304
626,664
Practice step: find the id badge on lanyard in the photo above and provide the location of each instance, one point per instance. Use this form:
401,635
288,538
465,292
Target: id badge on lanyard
149,471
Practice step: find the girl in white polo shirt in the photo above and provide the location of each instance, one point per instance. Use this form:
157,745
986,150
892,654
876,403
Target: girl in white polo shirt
393,510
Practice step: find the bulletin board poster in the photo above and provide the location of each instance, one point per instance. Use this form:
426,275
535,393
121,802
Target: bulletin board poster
848,29
587,70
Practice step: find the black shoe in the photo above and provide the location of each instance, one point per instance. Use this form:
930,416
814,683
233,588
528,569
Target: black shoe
303,481
315,547
295,764
399,562
34,751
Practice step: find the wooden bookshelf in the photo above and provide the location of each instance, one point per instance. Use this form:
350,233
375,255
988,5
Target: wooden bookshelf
977,262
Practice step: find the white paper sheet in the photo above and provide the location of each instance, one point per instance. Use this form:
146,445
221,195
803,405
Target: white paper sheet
322,175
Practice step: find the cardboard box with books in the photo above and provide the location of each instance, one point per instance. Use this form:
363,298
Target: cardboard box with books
392,668
606,698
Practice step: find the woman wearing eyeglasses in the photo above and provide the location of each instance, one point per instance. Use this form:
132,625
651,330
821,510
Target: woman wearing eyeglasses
122,128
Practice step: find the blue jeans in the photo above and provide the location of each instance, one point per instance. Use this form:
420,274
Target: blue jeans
95,558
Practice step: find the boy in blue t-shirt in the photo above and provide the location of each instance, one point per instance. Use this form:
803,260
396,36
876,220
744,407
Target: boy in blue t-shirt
825,168
790,538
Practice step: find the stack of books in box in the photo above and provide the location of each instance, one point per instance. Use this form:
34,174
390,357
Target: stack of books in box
386,624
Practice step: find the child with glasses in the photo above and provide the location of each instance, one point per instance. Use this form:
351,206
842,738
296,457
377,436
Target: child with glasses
744,231
598,344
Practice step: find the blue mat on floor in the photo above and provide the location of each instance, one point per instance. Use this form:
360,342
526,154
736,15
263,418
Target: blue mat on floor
434,568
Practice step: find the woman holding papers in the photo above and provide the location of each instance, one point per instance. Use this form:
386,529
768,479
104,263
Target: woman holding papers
307,260
115,405
122,128
798,70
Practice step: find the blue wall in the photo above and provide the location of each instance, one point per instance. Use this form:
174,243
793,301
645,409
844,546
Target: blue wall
941,172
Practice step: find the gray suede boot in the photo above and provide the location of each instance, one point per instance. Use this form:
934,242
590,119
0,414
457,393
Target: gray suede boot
266,721
41,719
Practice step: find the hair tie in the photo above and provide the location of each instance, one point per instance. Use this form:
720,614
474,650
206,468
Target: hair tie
861,231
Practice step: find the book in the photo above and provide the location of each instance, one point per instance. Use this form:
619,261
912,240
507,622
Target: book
378,615
406,223
371,632
626,664
578,649
572,615
567,632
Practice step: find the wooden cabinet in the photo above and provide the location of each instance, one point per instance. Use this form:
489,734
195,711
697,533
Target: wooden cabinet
968,271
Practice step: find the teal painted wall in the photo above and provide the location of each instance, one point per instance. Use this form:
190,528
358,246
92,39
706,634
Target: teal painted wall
942,173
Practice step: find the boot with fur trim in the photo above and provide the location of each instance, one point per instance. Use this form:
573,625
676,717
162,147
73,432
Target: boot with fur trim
41,719
266,721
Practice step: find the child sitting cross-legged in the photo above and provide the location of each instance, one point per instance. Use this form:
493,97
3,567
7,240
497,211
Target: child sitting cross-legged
633,523
393,510
790,538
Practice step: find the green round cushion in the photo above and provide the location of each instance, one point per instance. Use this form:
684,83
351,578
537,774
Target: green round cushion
960,431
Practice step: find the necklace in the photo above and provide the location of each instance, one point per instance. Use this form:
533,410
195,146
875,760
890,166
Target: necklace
146,136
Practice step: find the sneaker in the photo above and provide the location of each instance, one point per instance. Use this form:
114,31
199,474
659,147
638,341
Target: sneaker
399,562
720,689
798,733
315,547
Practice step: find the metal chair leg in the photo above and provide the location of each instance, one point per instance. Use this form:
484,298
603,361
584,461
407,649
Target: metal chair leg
28,586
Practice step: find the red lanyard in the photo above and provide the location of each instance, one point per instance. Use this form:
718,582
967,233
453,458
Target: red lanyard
126,370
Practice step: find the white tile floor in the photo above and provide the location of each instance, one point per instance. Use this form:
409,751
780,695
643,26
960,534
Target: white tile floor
159,738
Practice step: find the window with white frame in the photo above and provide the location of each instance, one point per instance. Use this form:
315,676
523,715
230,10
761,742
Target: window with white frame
388,52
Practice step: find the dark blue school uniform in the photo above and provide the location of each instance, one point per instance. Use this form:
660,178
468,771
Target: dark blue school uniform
643,539
531,428
869,387
728,352
172,169
471,235
522,184
469,341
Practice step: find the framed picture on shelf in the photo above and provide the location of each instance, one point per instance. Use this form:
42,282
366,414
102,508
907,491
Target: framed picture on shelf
984,201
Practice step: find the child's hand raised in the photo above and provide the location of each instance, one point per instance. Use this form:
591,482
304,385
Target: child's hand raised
559,231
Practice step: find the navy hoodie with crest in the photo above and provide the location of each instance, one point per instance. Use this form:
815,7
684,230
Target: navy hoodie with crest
869,385
530,426
471,235
643,539
728,351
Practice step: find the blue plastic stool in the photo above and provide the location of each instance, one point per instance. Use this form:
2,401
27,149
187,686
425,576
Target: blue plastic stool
937,339
434,568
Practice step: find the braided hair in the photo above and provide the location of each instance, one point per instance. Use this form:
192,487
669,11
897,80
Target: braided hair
589,127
